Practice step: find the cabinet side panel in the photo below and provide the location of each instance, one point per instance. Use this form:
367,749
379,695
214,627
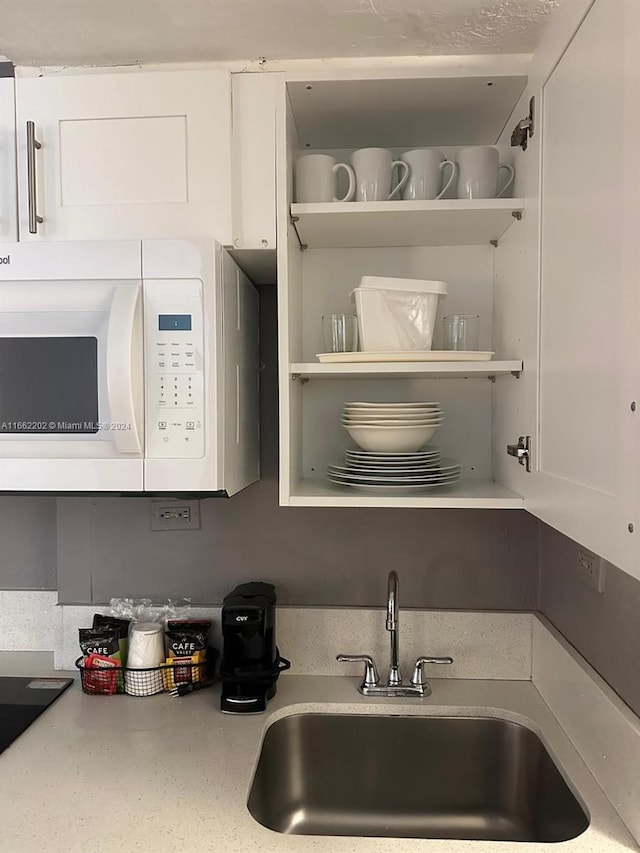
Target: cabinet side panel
515,309
254,159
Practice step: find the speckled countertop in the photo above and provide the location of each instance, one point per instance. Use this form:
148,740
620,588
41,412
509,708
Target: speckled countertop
107,774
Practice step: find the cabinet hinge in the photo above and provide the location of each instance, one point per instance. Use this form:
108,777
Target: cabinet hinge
522,451
525,128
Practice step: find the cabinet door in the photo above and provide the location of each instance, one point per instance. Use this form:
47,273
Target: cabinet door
143,155
587,446
254,159
8,197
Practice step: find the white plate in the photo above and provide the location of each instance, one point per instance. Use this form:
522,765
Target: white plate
396,471
409,405
396,490
386,470
397,478
405,356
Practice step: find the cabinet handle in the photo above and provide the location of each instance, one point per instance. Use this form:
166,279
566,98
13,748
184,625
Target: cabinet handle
32,146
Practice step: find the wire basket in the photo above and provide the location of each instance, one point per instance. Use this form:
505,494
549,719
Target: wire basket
117,680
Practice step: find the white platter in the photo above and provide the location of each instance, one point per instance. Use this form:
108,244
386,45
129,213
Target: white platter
406,356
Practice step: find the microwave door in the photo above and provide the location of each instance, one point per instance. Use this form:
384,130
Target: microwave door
71,386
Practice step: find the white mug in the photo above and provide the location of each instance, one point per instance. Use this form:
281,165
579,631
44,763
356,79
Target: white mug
316,179
478,170
374,173
427,166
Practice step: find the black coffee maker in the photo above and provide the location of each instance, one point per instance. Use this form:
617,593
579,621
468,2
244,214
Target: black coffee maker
251,662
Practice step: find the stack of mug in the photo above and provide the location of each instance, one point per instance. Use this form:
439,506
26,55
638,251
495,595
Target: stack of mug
420,174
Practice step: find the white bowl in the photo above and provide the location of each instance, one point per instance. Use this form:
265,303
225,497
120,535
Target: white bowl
392,424
383,410
391,439
408,420
409,405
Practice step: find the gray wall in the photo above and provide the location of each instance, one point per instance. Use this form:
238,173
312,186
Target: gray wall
604,628
449,559
27,543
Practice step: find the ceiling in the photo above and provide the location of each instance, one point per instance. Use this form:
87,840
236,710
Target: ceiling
122,32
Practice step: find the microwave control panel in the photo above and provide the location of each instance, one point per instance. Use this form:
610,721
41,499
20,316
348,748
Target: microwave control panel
174,368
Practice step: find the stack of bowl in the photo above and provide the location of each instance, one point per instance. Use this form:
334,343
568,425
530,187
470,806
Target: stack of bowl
391,427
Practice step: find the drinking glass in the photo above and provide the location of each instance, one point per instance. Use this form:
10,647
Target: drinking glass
340,332
460,332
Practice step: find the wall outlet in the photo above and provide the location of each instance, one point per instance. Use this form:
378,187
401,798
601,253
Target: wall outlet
175,515
591,568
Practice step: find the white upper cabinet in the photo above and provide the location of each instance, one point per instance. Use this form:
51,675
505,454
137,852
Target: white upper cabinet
586,482
254,159
8,191
125,155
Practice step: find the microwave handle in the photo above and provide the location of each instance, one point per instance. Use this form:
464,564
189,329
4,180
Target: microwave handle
123,355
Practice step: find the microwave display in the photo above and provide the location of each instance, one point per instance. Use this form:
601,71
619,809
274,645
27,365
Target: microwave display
49,385
174,322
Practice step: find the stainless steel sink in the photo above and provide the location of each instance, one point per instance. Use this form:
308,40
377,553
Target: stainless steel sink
411,777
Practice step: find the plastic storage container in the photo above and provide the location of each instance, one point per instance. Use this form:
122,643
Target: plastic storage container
397,314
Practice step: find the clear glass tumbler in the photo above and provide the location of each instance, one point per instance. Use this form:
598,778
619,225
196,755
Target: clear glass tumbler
460,332
340,332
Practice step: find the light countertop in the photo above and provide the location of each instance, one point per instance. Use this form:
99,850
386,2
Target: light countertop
105,774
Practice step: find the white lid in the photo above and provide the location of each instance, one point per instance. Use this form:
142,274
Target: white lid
379,282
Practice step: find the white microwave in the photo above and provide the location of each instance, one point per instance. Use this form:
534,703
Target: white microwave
127,367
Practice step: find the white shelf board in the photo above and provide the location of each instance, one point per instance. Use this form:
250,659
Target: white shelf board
405,370
467,494
456,222
403,112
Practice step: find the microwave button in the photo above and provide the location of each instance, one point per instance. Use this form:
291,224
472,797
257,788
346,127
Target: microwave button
191,425
162,424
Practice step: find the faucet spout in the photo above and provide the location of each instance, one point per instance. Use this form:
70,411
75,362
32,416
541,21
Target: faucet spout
393,618
392,601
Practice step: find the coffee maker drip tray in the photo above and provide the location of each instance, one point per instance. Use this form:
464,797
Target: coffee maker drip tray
248,692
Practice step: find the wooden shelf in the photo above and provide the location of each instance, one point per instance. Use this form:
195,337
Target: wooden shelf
405,370
467,494
457,222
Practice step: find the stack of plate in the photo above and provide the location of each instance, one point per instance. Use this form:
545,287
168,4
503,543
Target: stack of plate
391,427
395,472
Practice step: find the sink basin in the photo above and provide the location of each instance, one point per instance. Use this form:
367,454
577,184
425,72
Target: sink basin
411,777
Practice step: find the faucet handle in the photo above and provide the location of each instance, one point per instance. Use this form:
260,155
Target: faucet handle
371,677
418,679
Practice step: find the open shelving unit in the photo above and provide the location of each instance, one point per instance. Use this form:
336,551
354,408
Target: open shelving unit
455,222
326,248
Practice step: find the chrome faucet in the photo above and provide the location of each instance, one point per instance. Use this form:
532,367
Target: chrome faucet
370,686
392,626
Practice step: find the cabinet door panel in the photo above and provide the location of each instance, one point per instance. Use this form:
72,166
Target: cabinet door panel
143,155
588,365
8,198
